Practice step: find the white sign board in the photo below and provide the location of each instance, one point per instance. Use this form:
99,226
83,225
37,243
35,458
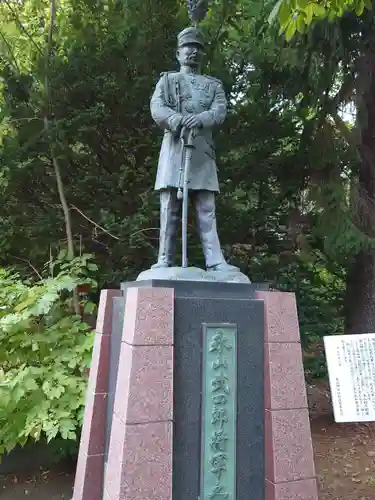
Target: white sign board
351,369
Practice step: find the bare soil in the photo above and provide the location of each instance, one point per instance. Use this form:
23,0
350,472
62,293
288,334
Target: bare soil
344,453
55,484
344,457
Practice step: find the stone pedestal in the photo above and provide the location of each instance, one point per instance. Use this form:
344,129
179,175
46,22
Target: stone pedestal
290,472
90,467
161,393
139,439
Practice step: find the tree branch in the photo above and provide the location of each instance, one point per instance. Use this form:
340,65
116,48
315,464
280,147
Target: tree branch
56,167
343,95
30,264
17,19
345,92
10,51
94,223
343,128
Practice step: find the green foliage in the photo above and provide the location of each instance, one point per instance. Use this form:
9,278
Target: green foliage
319,285
320,297
297,15
284,212
45,355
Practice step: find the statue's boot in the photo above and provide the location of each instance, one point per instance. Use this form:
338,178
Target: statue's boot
224,267
169,217
206,218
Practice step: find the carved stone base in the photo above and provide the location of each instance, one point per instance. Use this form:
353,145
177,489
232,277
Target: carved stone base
192,274
290,470
145,416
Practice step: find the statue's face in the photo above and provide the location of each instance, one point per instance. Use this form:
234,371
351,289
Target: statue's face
190,55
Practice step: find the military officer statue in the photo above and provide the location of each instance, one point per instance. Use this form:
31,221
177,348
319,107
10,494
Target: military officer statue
188,106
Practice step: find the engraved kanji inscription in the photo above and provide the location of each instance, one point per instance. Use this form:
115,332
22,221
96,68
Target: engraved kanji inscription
219,413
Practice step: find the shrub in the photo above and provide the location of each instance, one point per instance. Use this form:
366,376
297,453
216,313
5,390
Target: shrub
44,357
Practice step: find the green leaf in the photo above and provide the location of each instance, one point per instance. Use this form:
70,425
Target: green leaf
10,445
332,15
309,13
66,282
302,4
30,384
52,433
318,10
24,304
275,11
89,308
360,7
290,30
56,392
67,427
285,13
300,24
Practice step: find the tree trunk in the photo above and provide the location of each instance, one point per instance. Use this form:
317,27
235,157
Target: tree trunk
360,292
56,167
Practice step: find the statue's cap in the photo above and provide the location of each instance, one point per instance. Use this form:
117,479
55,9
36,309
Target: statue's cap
190,36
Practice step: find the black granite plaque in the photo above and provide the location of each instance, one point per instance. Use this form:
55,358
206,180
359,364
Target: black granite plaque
248,315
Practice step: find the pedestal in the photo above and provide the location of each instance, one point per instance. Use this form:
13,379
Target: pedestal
90,467
181,404
290,471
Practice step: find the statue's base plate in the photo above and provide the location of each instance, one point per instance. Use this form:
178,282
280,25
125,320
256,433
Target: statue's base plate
192,274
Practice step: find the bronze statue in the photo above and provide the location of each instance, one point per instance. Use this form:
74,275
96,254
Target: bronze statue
188,106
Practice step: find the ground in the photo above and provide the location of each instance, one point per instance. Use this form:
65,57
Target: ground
344,457
344,454
44,485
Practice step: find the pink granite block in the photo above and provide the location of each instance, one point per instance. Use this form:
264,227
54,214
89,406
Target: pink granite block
281,320
80,474
93,431
149,316
143,470
99,369
121,397
112,477
144,391
306,489
284,378
289,452
105,310
89,478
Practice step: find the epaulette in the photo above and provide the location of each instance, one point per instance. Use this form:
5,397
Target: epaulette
168,73
213,78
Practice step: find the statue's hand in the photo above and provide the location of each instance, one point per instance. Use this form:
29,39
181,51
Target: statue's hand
191,121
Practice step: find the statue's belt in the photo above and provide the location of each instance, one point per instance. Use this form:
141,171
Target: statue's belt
200,143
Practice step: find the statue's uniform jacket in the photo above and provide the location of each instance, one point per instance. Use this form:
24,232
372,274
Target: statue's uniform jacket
176,95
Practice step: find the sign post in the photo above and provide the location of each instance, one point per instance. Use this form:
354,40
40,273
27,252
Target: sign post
351,369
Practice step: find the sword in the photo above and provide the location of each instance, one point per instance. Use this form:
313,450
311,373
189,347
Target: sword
187,136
